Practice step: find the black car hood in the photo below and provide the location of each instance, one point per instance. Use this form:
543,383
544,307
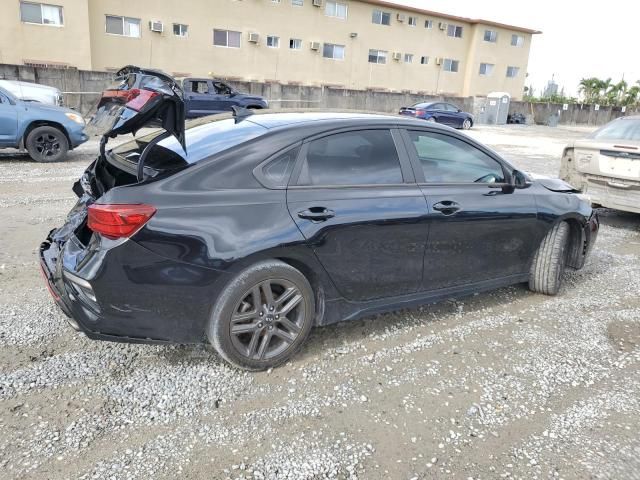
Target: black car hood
553,184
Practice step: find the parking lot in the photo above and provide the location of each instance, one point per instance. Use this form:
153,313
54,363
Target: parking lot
502,384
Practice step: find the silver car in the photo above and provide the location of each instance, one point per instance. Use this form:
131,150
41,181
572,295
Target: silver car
33,92
606,165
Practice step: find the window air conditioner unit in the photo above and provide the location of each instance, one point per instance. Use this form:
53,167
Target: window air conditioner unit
438,61
156,26
254,37
442,26
401,17
317,3
397,56
315,45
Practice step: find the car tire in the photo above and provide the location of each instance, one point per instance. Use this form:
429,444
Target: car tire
47,144
264,337
550,261
431,120
466,125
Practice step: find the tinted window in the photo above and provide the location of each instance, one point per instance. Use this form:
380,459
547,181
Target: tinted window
451,108
446,159
621,129
361,157
278,171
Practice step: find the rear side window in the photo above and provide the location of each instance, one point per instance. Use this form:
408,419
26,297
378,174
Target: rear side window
276,173
362,157
446,159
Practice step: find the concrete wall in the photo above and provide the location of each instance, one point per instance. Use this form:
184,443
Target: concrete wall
577,114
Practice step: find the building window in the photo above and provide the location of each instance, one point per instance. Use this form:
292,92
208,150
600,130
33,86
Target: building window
517,40
486,69
424,60
490,36
428,24
450,65
454,31
275,1
336,9
41,13
295,44
273,41
512,72
381,18
408,58
297,3
329,50
413,21
125,26
180,30
377,56
226,38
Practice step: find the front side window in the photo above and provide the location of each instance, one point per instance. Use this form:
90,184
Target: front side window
490,36
363,157
295,43
381,18
273,41
408,58
486,69
517,40
180,30
329,50
424,60
450,65
446,159
336,9
41,13
226,38
377,56
454,31
512,72
125,26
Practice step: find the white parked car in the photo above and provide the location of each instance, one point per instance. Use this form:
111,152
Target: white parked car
33,92
606,165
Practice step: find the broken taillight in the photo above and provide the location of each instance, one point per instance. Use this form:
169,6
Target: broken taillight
118,220
134,99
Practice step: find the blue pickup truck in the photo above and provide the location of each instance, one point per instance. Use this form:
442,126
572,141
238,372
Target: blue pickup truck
46,131
204,96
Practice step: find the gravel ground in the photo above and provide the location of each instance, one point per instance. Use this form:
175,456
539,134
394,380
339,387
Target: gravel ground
503,384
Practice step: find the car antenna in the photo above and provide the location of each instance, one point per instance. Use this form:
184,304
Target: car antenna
240,113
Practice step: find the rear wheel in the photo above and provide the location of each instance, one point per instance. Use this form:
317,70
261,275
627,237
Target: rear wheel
431,120
263,316
47,144
550,261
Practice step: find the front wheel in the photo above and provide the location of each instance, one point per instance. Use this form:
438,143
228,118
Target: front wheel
263,316
47,144
466,125
550,261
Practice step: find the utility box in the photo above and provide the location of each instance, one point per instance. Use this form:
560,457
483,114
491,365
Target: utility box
495,109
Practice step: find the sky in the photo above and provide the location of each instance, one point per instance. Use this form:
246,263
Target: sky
579,39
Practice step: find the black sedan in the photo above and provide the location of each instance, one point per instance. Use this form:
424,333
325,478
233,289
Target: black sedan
440,112
248,230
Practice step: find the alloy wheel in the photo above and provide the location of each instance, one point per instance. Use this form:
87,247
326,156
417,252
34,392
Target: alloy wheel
268,319
47,145
466,124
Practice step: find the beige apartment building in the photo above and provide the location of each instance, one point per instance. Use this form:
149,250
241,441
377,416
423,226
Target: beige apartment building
350,43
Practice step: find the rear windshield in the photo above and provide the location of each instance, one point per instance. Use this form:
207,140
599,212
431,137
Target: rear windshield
621,129
203,139
421,105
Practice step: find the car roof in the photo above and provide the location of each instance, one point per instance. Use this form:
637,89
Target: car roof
274,120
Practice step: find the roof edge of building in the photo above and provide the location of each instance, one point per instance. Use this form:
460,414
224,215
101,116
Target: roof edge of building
473,21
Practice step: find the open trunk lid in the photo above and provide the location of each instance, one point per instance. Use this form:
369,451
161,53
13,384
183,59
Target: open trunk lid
140,98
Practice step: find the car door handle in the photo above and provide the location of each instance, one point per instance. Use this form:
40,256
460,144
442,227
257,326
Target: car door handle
447,207
317,214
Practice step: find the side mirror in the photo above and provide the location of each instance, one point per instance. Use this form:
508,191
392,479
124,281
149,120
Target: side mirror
520,179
